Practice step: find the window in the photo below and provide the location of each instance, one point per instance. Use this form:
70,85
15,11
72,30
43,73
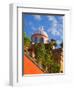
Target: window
35,40
41,40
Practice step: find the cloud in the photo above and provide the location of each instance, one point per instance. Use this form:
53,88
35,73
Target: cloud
55,32
58,42
51,18
56,28
33,28
37,17
61,18
61,37
31,25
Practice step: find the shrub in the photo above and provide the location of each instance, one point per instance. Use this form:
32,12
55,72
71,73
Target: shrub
55,68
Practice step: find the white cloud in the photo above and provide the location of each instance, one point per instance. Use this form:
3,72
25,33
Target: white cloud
54,22
33,28
51,18
58,42
61,37
55,28
37,17
61,18
49,30
55,32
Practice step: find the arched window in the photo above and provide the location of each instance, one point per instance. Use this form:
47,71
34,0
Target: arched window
41,40
35,39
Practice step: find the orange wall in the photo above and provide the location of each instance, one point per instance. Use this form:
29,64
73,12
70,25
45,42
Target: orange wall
30,67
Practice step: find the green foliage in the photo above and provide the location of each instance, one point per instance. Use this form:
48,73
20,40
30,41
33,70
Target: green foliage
52,43
26,40
55,68
45,57
24,34
48,59
40,52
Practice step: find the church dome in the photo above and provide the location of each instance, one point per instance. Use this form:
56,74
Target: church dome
42,32
40,36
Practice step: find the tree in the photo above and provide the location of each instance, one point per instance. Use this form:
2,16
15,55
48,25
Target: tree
24,34
55,68
47,61
40,53
50,60
53,43
26,41
45,58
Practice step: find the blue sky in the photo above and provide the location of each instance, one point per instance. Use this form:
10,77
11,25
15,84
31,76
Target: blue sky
52,24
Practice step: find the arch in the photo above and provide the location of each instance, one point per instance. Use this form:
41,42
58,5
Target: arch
41,40
35,39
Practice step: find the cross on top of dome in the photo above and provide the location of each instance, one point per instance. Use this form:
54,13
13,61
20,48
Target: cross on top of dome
41,28
42,31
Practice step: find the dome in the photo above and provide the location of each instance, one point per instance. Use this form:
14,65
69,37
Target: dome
42,32
40,36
